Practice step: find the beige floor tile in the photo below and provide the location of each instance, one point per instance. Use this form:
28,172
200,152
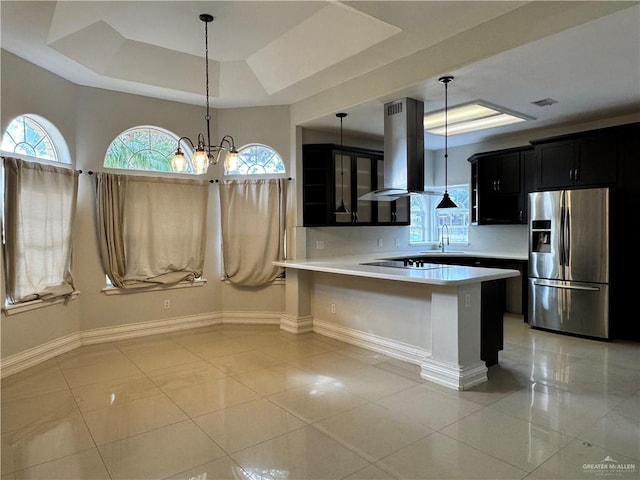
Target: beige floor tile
509,439
24,412
581,460
148,360
368,356
86,465
556,409
198,399
23,385
368,431
185,375
329,364
629,407
440,457
616,434
47,366
292,351
90,354
315,402
429,407
151,342
370,473
44,442
268,381
101,372
113,392
404,369
243,362
373,383
160,453
242,426
198,336
131,418
223,468
219,348
302,454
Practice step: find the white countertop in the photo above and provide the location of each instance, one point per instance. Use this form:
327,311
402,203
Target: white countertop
441,275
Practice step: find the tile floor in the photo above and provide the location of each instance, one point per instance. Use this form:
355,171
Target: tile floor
247,402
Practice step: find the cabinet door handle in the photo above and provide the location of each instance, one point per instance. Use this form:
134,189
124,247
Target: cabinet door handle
571,174
576,174
494,185
498,184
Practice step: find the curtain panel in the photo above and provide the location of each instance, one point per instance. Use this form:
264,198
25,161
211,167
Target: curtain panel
151,230
253,229
39,211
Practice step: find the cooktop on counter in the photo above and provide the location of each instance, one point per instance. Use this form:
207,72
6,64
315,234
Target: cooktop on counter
417,264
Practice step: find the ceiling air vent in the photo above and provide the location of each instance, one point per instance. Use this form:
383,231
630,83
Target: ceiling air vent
545,102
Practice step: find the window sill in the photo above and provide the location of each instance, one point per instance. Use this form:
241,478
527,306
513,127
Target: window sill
36,304
277,281
124,291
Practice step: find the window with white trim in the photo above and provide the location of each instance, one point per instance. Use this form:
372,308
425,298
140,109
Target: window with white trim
32,137
257,159
427,220
146,148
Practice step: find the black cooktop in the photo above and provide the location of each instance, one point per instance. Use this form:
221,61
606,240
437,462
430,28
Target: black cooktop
407,263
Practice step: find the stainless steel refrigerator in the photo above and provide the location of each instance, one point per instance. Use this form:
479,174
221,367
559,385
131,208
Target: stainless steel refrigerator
569,261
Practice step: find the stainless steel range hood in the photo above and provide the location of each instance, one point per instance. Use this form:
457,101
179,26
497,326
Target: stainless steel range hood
403,151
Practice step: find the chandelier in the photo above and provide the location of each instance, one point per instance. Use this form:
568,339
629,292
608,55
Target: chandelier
206,154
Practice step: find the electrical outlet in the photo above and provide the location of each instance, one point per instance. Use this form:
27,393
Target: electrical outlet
167,304
319,244
467,300
333,308
397,242
380,243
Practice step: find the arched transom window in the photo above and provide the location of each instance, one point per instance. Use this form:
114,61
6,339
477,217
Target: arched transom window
34,137
145,148
256,159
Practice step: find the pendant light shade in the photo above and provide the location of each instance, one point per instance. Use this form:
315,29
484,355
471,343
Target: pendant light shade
205,154
341,209
446,201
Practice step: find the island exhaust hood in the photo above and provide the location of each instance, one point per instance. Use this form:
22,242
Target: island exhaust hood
403,151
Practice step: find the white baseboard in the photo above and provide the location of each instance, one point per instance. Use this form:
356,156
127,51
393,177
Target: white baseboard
392,348
33,356
153,327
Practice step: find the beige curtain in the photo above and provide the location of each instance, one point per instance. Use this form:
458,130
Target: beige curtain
151,230
39,209
253,227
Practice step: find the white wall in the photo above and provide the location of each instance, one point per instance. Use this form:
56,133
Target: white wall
90,119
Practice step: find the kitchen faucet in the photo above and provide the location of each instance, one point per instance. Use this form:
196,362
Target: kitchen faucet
442,237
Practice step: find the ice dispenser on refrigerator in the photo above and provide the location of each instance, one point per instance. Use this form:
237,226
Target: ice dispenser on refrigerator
569,261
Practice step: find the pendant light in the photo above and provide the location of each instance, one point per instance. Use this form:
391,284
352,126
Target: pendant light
446,201
341,209
206,154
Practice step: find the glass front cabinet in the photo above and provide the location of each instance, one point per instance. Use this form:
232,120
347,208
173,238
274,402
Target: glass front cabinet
335,177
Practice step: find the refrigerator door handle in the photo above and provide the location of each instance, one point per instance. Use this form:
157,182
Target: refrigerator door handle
566,287
561,252
567,232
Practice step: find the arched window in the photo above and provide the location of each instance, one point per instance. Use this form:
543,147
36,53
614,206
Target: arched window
257,159
145,148
33,137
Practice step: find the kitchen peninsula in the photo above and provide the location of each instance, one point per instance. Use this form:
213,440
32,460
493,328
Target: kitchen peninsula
430,316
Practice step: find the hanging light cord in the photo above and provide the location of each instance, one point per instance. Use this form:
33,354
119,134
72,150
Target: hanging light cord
341,163
206,74
446,136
